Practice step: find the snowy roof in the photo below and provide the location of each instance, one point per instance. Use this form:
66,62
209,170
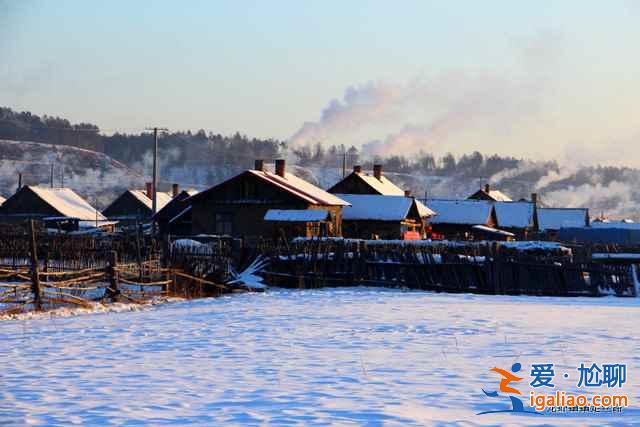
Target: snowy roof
162,198
300,188
495,195
499,196
381,208
459,211
2,200
290,183
92,224
514,214
625,224
423,211
492,230
382,185
296,215
67,203
557,218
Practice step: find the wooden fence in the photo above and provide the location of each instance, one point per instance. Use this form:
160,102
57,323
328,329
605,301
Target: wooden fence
39,271
473,268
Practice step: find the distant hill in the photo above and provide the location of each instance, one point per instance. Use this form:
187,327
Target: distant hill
201,159
93,175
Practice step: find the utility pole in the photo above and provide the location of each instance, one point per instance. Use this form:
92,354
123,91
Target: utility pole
154,199
344,160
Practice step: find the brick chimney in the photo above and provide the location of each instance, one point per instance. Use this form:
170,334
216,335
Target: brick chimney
149,186
407,193
377,171
259,165
280,167
175,189
357,169
487,188
534,198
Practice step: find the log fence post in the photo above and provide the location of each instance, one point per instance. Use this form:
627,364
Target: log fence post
113,291
35,276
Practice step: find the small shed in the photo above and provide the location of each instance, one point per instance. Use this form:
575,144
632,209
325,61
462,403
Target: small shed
358,182
300,222
385,217
135,206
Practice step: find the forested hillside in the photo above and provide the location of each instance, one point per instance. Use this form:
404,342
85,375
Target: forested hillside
198,159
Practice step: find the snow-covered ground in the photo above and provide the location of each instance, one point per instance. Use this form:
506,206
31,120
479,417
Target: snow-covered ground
353,356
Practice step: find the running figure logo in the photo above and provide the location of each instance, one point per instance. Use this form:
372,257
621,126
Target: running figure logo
508,378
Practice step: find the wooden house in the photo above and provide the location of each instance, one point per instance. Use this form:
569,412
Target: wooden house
456,219
518,217
60,208
384,217
238,206
487,193
358,182
135,206
175,217
551,220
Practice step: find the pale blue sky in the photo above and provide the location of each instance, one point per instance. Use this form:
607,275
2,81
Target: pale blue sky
564,74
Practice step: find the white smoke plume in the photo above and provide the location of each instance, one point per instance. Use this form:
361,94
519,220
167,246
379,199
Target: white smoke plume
450,103
615,200
430,110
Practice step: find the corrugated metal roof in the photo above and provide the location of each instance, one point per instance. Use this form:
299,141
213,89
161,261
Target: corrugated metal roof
296,215
557,218
463,212
68,203
379,208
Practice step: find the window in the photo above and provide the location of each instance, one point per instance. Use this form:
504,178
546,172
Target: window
223,223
